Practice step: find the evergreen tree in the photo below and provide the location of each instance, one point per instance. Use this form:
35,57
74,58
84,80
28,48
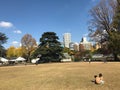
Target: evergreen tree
114,38
114,44
49,48
116,18
3,39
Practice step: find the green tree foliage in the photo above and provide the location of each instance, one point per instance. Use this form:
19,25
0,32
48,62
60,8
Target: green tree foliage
66,50
114,39
2,51
114,43
49,48
116,18
3,39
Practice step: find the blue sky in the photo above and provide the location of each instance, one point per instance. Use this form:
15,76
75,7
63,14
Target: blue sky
20,17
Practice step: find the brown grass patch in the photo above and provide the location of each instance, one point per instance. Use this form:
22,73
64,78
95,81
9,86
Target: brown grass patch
60,76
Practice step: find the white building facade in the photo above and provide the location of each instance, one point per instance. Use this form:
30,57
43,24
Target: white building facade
86,45
76,46
66,39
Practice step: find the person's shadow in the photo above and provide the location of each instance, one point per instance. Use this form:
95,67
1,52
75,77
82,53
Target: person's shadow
93,81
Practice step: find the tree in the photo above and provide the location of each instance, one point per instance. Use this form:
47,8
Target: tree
49,48
114,38
116,18
19,52
105,20
2,51
101,17
28,45
3,39
11,52
66,50
114,43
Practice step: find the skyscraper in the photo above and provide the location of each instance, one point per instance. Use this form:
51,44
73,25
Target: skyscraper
66,39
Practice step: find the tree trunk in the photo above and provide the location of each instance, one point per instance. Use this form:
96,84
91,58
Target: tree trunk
115,57
28,57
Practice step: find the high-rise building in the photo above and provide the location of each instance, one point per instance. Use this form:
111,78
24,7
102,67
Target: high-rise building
66,39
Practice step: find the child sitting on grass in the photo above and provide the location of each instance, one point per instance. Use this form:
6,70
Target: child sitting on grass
99,79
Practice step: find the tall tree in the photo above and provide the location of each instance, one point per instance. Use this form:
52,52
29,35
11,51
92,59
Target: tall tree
114,43
2,51
3,39
49,47
101,19
116,18
28,45
114,38
104,21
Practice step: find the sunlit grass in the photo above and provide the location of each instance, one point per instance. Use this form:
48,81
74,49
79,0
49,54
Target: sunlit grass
60,76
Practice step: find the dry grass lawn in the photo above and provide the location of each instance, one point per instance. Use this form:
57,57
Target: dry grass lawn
60,76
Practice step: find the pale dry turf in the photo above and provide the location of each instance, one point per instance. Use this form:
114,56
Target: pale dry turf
60,76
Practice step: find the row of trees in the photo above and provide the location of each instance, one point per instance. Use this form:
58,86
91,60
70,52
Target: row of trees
105,25
26,50
49,48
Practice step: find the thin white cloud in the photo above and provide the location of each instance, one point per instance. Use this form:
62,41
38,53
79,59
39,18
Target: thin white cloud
17,31
5,24
14,42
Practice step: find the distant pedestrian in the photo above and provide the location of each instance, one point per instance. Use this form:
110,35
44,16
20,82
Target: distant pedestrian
36,62
89,60
105,60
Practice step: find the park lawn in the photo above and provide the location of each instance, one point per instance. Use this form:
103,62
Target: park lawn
60,76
